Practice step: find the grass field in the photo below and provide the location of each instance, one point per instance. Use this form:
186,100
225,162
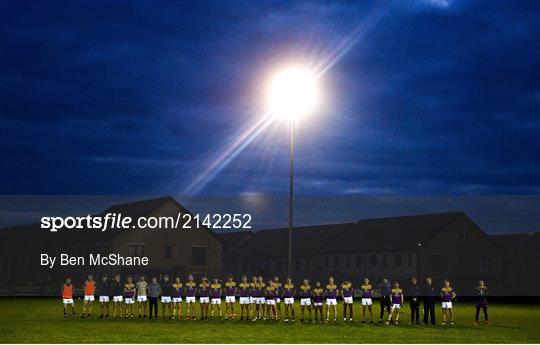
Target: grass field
39,320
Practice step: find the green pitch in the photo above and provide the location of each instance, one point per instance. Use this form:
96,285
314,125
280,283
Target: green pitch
33,320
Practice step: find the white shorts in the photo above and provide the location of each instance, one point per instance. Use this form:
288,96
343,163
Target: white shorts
129,300
244,300
317,304
396,306
289,300
252,299
67,300
446,305
166,299
117,298
89,298
204,300
142,298
367,301
216,300
262,300
190,299
177,299
305,301
348,300
278,300
331,301
271,301
230,299
104,299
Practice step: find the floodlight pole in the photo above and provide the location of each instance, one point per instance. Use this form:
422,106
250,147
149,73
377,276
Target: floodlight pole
291,190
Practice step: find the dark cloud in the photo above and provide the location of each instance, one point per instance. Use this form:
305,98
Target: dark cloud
135,97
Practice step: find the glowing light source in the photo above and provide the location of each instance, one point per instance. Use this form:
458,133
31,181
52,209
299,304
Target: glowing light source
293,93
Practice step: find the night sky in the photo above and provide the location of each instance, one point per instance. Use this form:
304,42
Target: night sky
140,97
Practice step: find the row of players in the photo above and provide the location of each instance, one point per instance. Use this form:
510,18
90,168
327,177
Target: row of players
260,300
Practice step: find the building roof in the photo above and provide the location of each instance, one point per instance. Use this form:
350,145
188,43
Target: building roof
272,243
528,246
392,234
232,239
505,242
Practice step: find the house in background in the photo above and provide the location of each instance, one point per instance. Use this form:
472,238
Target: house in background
444,245
266,251
176,252
522,264
231,240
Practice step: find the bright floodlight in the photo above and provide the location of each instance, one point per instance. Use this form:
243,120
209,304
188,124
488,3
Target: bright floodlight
293,93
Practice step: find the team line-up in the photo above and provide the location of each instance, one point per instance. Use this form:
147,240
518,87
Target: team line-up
261,300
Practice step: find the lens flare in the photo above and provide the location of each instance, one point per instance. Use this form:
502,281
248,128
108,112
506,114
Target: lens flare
293,93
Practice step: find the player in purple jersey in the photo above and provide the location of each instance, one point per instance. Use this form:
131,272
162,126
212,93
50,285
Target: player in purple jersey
481,301
244,289
447,295
230,297
216,292
305,299
396,298
317,298
129,295
260,301
347,295
331,299
277,284
270,292
367,302
288,296
204,297
177,298
190,292
252,298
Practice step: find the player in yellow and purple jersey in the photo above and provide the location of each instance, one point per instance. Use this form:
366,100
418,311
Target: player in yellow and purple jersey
230,297
278,293
331,299
191,291
447,295
177,298
260,301
305,299
244,290
396,297
216,292
270,294
204,297
288,297
347,295
367,302
252,298
317,298
129,297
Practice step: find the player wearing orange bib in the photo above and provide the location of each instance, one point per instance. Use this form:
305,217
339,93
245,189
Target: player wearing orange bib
67,297
89,291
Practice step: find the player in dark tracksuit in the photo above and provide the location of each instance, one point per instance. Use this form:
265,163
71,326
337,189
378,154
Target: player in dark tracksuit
414,301
481,301
384,291
429,292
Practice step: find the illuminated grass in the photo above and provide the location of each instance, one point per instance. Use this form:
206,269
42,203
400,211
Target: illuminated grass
39,320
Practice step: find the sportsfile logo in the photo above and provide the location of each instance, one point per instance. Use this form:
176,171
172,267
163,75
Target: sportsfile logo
118,221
